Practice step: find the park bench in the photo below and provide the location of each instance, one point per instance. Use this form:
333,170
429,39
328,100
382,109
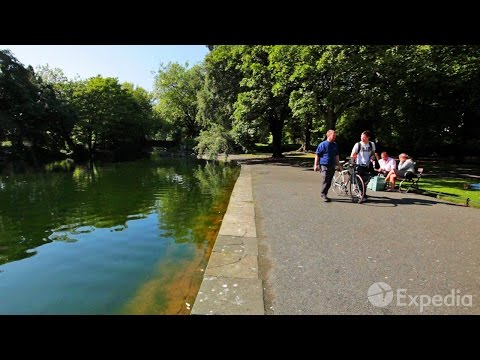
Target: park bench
410,181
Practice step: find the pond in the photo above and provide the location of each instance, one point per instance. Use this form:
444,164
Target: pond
123,238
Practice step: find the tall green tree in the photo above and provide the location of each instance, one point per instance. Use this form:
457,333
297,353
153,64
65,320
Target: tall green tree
32,117
60,89
260,103
112,117
419,97
216,101
286,64
334,76
458,97
175,93
50,75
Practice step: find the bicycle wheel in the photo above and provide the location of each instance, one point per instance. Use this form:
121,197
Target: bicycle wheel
338,185
357,188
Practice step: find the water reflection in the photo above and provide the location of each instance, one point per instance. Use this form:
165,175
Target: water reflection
62,165
38,208
92,240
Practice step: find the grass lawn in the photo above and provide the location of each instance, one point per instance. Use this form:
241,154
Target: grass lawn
451,189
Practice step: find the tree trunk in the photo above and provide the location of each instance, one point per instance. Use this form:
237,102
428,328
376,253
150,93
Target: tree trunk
308,135
69,142
34,155
306,138
302,147
90,146
276,126
331,118
465,132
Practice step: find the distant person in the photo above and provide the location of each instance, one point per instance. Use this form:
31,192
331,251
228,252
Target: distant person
326,156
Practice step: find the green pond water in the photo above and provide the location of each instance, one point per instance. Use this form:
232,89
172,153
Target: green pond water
123,238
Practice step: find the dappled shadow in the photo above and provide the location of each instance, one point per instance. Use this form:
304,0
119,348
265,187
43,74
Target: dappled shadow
393,202
437,168
386,202
374,200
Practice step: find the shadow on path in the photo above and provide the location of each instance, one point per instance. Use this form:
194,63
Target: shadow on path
389,202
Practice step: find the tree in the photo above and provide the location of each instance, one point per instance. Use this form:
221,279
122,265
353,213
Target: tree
216,101
51,76
286,61
60,89
112,117
259,102
33,119
458,95
175,91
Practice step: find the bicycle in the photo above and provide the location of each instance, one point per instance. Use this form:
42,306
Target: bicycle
358,186
341,180
349,182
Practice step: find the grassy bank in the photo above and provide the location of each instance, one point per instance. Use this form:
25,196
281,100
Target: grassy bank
451,189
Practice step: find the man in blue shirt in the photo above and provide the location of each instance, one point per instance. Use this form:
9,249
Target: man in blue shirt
326,157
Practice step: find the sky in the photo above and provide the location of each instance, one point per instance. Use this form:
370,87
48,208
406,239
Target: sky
132,63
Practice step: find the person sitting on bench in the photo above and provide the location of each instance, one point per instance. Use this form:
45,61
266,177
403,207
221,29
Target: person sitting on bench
386,164
405,165
387,168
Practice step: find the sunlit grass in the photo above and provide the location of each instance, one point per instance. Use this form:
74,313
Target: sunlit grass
255,155
300,154
451,189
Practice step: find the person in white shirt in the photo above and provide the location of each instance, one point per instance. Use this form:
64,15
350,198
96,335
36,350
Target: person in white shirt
387,164
388,168
363,154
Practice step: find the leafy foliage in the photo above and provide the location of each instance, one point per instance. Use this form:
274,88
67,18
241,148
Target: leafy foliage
175,91
32,118
112,117
213,141
419,99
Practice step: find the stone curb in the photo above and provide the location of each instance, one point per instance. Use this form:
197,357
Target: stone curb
231,285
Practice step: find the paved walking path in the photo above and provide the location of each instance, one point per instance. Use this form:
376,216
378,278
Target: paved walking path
324,258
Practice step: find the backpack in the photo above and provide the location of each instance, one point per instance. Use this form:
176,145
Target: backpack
371,166
359,147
